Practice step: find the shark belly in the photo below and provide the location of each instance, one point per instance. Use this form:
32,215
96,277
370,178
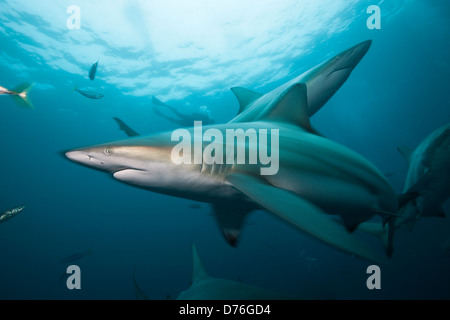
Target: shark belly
192,185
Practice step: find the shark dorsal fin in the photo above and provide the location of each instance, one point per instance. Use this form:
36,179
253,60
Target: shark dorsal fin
198,271
245,97
292,107
406,153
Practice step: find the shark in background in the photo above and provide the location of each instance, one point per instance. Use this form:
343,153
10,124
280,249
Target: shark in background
427,183
206,287
322,82
317,177
182,119
428,175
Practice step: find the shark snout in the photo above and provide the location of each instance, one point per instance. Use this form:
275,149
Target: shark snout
86,158
76,156
353,56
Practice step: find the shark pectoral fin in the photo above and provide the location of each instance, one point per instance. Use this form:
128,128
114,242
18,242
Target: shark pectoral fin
292,107
406,152
304,215
245,97
230,219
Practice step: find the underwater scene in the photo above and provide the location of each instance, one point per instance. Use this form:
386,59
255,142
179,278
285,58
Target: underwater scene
224,150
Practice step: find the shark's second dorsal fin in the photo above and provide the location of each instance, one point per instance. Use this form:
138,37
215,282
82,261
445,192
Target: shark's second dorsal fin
245,97
292,107
198,271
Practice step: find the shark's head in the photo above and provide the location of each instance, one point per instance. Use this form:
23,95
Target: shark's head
324,80
145,162
131,161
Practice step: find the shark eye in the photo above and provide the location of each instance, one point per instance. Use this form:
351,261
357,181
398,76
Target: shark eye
107,151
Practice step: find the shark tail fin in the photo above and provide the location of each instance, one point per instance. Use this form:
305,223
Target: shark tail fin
198,271
22,98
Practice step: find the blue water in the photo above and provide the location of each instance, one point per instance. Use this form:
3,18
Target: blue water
189,54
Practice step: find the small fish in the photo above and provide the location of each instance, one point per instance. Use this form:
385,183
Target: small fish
76,256
93,70
20,95
10,213
89,94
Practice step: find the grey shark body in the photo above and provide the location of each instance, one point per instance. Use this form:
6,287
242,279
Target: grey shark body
428,175
316,176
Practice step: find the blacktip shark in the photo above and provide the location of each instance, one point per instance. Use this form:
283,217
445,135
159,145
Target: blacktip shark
20,94
426,187
428,175
322,82
315,177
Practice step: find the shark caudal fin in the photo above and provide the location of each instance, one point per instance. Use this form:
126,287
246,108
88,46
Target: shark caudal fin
21,97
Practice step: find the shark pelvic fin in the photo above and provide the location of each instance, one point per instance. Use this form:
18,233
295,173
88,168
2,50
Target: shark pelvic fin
198,271
406,152
304,215
230,219
245,97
